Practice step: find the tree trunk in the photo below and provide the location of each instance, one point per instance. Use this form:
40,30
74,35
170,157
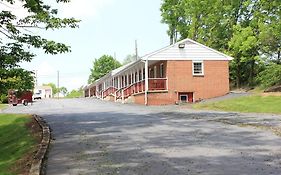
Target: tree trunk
251,76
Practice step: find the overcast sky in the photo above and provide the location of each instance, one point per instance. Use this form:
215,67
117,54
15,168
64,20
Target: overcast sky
107,27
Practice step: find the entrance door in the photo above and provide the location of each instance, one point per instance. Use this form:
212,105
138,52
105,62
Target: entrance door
190,97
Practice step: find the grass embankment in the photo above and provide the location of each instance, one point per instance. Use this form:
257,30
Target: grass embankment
3,106
255,104
16,143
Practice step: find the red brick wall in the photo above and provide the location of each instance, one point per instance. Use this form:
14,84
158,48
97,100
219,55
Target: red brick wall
215,81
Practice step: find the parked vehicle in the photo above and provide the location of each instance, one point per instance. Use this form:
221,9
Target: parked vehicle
37,96
16,97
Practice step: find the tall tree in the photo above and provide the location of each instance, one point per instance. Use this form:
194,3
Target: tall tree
248,30
17,39
129,58
102,66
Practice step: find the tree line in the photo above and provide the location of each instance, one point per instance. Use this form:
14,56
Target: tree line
17,40
247,30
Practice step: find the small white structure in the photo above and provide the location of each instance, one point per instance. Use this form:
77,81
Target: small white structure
43,91
59,95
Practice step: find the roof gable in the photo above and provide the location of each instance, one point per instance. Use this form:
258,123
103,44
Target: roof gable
192,51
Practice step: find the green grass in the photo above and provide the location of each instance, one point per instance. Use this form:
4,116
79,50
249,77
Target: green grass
15,140
2,106
255,104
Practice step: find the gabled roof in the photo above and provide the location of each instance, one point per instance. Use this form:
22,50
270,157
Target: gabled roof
204,52
192,51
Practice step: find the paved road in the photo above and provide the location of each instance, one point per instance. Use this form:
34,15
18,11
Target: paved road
102,138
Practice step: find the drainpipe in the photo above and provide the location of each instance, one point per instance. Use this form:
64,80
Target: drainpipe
146,83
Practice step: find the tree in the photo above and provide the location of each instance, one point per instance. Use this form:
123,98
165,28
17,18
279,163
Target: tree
271,76
102,66
245,29
129,58
17,39
63,90
53,86
75,93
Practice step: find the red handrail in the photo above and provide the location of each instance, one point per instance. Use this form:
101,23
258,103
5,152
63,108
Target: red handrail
157,84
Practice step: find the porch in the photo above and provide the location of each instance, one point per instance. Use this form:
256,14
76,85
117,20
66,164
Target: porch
139,78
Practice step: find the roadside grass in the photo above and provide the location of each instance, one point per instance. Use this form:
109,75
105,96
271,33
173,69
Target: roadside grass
3,106
254,103
15,141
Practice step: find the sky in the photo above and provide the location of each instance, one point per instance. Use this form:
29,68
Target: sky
107,27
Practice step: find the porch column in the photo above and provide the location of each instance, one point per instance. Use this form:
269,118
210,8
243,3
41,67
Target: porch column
119,82
146,83
89,91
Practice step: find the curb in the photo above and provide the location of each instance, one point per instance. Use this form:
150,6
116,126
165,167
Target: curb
36,167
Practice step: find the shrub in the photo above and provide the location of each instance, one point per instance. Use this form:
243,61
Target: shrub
3,98
271,76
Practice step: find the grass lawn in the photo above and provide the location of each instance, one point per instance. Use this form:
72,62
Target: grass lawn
2,106
255,103
15,142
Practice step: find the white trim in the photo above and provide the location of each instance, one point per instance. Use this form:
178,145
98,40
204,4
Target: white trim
202,63
146,83
186,95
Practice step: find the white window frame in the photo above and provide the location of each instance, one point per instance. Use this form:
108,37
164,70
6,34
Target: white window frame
198,74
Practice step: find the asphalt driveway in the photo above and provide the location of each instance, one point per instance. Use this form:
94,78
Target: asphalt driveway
105,138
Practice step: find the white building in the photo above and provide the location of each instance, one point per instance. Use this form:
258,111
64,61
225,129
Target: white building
43,91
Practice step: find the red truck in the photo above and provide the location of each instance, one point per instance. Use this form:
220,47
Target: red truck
15,97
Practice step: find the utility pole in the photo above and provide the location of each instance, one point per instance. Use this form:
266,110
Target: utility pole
136,46
58,88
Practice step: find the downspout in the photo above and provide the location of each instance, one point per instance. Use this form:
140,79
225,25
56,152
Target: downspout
146,83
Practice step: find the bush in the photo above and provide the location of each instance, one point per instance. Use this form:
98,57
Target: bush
3,98
271,76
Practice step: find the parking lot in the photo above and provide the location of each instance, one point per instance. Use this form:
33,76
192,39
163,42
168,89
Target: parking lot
99,137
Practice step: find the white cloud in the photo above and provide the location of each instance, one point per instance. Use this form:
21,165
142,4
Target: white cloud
45,69
73,82
15,8
83,9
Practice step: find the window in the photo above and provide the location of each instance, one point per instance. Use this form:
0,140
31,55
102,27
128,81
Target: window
197,68
161,70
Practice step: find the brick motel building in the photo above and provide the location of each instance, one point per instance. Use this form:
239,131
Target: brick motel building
186,71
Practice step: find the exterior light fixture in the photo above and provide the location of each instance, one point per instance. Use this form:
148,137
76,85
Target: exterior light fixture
181,46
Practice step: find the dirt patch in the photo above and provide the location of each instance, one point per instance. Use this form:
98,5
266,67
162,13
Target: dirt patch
265,94
23,165
274,89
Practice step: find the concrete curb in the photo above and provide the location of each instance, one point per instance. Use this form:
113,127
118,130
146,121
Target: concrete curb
36,167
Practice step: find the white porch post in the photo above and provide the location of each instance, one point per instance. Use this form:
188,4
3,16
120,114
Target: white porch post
89,91
146,82
119,82
123,99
